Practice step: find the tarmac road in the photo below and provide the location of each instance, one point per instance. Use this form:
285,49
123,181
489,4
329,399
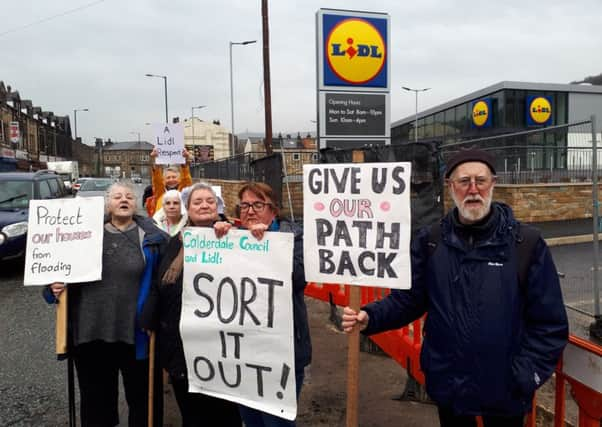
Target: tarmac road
33,383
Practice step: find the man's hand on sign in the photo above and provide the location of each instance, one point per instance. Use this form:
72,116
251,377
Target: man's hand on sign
352,318
57,288
154,153
221,228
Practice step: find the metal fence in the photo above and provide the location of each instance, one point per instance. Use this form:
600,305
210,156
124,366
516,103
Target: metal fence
255,166
549,155
553,154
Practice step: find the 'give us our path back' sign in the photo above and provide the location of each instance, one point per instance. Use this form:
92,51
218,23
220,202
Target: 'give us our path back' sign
237,318
357,224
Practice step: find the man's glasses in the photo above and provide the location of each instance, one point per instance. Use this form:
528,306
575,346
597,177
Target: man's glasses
257,206
481,182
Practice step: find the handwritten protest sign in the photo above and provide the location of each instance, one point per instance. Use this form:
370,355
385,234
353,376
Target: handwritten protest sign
169,142
357,224
64,241
237,318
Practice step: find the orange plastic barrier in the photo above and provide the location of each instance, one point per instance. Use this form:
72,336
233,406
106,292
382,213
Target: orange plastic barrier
588,399
403,345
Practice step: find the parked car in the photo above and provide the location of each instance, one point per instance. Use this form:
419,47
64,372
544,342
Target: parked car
77,184
16,190
94,187
137,179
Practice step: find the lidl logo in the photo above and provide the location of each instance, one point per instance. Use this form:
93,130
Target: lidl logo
355,51
481,113
539,110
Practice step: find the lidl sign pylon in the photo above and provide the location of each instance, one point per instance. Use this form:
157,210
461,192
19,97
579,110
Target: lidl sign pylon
353,78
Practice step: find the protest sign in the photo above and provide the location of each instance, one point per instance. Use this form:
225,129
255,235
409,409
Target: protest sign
237,318
59,233
357,224
169,142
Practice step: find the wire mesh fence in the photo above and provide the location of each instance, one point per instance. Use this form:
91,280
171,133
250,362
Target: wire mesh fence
548,155
559,154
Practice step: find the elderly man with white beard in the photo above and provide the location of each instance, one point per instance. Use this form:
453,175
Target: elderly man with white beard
496,323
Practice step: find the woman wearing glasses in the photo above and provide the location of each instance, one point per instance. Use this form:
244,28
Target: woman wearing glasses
162,312
259,213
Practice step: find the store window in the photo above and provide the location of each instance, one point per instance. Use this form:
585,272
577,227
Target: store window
450,123
429,127
462,118
439,125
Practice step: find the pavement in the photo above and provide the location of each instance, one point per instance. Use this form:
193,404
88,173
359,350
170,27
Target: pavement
566,232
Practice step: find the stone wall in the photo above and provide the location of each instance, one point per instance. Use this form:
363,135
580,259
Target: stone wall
531,202
230,191
543,202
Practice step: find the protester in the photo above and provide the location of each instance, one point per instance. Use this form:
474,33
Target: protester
172,216
221,205
172,178
162,312
494,329
103,316
148,192
259,210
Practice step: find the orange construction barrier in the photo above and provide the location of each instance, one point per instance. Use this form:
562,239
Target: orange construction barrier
581,367
403,345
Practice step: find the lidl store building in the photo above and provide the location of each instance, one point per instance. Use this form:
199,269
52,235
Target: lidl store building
507,107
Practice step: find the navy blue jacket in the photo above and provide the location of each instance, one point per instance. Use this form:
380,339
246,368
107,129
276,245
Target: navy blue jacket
488,342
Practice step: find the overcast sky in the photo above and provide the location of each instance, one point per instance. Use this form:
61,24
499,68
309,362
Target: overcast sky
97,57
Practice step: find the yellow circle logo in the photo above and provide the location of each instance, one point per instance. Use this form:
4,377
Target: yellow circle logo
355,51
480,113
540,110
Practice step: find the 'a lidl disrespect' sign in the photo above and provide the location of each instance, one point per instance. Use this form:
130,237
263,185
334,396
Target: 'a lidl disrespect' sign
354,51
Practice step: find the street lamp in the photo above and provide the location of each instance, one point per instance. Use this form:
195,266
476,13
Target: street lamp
416,122
165,82
75,118
192,119
246,42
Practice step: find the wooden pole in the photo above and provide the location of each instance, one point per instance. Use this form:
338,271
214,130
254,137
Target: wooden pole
61,324
151,378
267,91
353,343
62,349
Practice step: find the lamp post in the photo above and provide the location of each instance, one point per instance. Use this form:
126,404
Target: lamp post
416,121
165,82
192,119
75,118
243,43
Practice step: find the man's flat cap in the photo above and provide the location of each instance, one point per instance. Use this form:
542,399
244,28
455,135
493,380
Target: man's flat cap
469,155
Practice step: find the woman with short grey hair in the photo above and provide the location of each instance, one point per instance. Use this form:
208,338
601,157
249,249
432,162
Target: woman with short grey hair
163,310
104,316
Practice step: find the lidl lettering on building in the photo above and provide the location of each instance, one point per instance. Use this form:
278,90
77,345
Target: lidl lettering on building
481,113
504,107
539,110
354,51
